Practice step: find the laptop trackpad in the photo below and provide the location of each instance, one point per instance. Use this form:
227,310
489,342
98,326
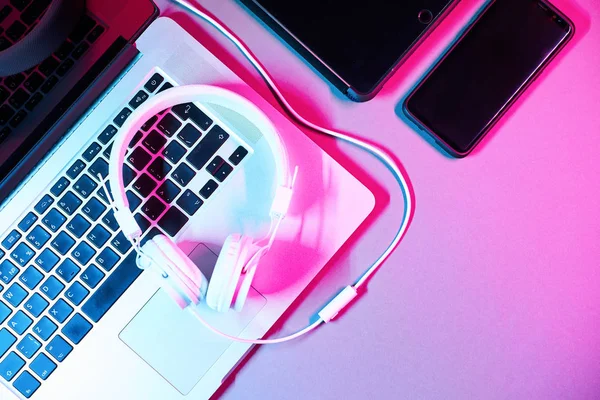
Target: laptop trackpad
175,344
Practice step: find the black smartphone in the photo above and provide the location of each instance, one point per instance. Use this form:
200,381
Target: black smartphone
484,72
355,44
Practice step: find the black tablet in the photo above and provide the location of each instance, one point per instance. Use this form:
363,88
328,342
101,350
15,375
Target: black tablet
355,44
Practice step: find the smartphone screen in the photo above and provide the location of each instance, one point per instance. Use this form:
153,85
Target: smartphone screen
359,41
468,90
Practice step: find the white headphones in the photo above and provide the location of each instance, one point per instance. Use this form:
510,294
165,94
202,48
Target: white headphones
240,254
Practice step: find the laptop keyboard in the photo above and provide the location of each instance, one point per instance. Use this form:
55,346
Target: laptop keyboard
65,262
21,93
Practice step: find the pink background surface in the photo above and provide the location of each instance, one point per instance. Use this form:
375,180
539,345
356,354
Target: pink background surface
495,291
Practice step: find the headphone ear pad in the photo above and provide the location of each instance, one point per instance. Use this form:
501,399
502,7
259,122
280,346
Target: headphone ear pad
227,271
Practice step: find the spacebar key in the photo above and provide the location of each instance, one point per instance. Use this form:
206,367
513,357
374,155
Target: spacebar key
114,286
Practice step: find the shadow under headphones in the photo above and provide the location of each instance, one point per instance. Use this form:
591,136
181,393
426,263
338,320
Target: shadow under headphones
59,20
240,254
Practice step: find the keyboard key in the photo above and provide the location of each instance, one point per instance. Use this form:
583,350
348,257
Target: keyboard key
38,237
60,186
107,134
208,189
80,50
136,138
95,33
48,66
154,82
207,147
18,118
110,221
59,348
28,346
76,293
153,208
142,222
183,174
133,200
27,222
172,221
36,303
92,276
12,239
69,203
174,152
144,185
77,167
15,294
223,172
54,220
83,253
10,366
138,99
34,101
65,67
60,311
107,151
42,366
47,260
189,135
31,277
44,328
85,186
98,236
6,113
154,141
214,165
8,271
112,288
19,322
26,384
20,4
93,209
82,29
200,118
164,87
91,152
102,194
78,226
4,313
4,94
49,84
149,124
168,191
16,30
76,329
14,81
6,340
18,98
128,175
189,202
159,168
121,243
34,81
51,288
139,158
99,167
67,270
169,125
238,155
107,258
35,9
122,117
63,243
22,254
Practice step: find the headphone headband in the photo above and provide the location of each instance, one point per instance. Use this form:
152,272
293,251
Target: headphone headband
56,24
189,94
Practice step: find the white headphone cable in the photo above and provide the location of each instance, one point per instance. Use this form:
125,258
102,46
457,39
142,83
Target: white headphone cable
349,292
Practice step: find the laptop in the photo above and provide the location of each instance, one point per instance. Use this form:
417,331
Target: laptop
78,318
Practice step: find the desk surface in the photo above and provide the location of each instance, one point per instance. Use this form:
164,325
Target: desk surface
494,293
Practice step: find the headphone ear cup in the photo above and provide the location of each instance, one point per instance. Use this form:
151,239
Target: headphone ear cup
227,271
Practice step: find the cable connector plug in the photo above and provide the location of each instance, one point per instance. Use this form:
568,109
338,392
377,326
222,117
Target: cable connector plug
338,303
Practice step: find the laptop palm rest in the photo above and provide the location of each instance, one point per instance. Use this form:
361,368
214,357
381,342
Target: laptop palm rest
174,343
